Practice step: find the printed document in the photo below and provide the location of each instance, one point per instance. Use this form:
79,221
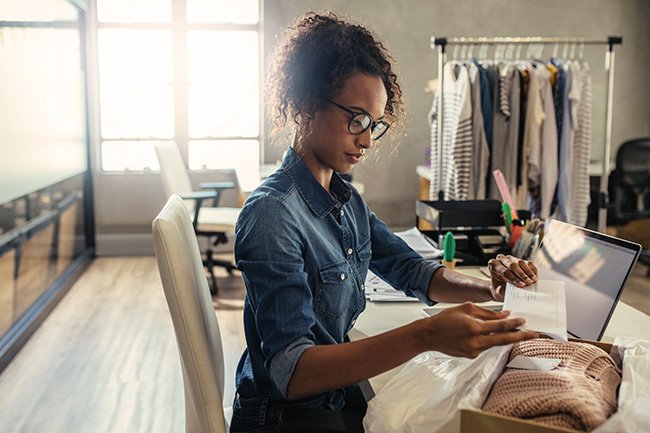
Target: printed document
420,243
378,290
543,305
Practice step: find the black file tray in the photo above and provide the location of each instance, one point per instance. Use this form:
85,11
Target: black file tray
452,214
471,218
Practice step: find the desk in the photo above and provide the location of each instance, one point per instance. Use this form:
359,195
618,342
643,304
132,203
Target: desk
382,317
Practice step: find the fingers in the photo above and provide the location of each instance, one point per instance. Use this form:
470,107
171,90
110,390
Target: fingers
485,314
497,269
467,330
529,269
515,271
486,341
501,325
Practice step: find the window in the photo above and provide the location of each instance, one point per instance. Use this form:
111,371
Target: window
183,71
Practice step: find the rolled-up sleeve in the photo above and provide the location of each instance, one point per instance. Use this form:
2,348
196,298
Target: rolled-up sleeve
268,251
397,263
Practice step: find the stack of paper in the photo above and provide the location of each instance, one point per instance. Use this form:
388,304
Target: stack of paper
543,305
377,290
420,243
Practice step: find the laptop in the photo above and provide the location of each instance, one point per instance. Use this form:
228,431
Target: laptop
594,268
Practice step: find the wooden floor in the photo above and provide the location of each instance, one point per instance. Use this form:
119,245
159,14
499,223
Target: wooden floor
105,360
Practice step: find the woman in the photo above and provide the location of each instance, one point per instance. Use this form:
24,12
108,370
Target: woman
305,241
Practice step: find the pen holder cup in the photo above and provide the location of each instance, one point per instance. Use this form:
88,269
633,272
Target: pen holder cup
449,265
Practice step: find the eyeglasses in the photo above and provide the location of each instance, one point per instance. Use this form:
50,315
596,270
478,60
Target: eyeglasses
361,121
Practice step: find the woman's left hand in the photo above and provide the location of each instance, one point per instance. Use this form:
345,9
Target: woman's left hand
509,269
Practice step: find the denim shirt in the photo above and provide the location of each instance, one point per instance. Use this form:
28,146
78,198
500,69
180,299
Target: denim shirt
304,255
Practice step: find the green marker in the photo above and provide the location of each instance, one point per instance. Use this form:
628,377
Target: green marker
507,215
449,249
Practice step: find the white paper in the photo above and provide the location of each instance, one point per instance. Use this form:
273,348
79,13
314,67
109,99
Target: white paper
378,290
420,243
533,363
543,305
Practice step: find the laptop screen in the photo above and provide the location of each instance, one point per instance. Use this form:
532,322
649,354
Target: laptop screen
594,268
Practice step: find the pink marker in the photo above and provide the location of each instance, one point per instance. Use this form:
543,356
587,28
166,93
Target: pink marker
505,193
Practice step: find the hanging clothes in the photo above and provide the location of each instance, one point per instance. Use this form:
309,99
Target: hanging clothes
486,102
480,148
456,135
542,143
532,131
505,129
531,120
566,100
558,97
580,197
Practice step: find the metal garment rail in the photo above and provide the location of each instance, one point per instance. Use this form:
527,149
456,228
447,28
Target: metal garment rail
611,41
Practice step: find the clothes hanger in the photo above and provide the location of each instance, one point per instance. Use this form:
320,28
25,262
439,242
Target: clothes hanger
582,50
483,52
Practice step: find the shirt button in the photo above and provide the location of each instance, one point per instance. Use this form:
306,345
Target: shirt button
349,251
342,213
342,277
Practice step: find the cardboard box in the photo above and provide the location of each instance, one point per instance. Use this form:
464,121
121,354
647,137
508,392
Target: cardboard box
478,421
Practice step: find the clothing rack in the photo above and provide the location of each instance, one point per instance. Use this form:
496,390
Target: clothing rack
441,43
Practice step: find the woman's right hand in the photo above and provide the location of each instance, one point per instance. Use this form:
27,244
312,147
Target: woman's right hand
467,330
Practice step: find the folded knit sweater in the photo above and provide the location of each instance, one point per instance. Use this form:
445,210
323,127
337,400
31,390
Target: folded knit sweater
579,394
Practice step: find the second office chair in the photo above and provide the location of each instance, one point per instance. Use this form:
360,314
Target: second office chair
209,219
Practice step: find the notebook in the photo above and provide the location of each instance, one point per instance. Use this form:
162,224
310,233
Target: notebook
594,268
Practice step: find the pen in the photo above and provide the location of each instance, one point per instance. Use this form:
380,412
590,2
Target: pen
507,216
517,230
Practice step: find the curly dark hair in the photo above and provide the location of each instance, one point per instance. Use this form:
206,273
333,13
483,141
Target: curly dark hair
313,60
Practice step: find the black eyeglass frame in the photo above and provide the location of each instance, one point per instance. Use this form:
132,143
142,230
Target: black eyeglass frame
354,114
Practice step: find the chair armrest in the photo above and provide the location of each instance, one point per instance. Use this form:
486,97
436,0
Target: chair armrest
217,188
198,197
217,185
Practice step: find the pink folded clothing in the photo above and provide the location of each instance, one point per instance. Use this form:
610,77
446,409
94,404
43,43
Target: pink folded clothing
579,394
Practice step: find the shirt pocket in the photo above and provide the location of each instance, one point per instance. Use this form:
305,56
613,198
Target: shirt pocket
364,252
336,292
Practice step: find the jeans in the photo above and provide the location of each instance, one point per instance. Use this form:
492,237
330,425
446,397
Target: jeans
261,415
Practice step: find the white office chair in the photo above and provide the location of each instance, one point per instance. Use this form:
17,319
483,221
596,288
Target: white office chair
194,319
215,223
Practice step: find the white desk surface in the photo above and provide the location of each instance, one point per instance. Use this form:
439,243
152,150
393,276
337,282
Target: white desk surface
382,317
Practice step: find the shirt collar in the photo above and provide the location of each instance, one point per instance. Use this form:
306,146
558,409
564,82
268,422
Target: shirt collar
317,198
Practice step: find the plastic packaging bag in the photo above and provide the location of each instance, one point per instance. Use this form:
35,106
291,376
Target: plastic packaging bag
425,395
634,393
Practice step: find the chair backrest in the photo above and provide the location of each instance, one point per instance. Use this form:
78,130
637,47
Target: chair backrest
173,172
632,173
195,323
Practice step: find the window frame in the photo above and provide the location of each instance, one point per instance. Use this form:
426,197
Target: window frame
180,28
